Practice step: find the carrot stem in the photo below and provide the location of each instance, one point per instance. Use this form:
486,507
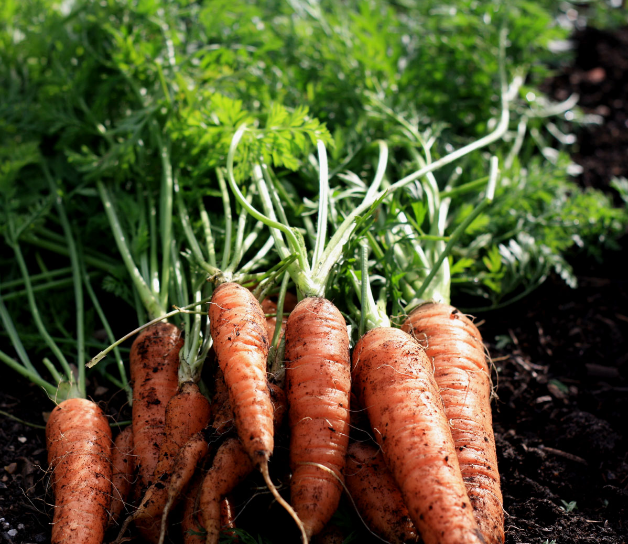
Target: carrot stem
151,302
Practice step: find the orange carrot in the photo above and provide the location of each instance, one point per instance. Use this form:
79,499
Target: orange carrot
186,414
154,366
193,532
238,328
78,439
230,467
227,514
393,380
123,462
455,346
377,496
318,382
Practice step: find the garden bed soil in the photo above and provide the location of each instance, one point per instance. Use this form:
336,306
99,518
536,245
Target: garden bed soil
561,356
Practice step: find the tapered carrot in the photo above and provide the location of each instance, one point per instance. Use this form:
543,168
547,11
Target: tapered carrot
393,380
455,346
154,366
123,463
318,384
79,442
238,328
376,495
230,467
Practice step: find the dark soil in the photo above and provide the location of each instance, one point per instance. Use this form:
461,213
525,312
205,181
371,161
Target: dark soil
562,357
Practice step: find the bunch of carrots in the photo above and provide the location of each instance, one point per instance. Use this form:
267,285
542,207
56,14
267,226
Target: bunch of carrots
429,469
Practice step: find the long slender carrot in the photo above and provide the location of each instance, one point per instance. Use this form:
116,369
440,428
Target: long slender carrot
123,462
393,380
318,385
79,442
376,495
238,328
455,346
154,366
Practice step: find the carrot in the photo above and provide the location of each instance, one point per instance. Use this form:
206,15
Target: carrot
230,467
123,463
455,346
318,382
78,439
193,532
186,414
187,460
393,380
238,328
377,496
154,365
227,514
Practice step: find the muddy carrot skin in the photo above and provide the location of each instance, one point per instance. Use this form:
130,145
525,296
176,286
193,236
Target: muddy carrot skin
154,377
455,346
318,385
79,446
193,532
376,495
393,380
238,328
222,414
123,462
231,467
187,413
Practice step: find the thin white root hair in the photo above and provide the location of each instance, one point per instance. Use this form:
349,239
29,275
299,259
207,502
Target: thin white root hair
264,470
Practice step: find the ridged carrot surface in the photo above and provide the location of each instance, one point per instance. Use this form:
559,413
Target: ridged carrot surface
154,363
455,346
393,380
377,496
123,463
318,385
238,328
79,446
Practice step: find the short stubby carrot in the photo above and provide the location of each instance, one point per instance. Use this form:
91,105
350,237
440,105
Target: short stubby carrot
455,346
123,463
318,385
376,495
154,366
394,382
238,329
79,443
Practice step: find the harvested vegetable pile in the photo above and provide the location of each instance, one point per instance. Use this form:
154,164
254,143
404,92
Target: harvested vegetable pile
165,159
